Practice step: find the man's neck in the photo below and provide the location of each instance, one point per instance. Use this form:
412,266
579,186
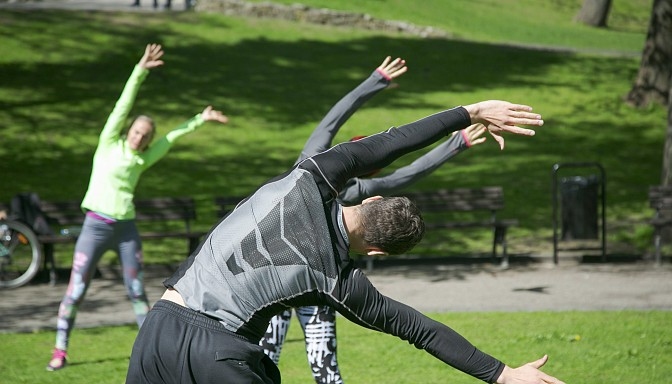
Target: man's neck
353,228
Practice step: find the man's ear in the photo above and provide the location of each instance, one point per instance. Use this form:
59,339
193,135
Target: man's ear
370,199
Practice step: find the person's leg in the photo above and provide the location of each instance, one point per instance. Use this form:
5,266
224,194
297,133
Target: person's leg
92,242
275,335
319,328
130,254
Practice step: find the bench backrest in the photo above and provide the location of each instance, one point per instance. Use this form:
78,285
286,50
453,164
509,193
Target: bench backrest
166,209
226,204
64,213
441,200
660,198
459,199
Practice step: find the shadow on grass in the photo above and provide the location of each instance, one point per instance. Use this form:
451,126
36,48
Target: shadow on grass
612,259
442,268
110,359
276,84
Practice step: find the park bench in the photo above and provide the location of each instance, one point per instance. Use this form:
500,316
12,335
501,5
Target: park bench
442,209
438,207
166,217
660,200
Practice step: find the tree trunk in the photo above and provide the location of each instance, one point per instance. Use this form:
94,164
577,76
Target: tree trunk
653,80
666,177
594,13
666,174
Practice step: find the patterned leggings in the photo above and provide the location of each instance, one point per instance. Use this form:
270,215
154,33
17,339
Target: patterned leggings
319,328
96,238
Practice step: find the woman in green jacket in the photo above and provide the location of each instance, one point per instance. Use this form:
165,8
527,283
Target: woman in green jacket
109,223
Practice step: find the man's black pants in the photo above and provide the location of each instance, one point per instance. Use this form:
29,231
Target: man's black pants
178,345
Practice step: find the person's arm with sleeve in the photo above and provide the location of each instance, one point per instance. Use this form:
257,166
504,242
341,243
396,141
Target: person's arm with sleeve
320,139
115,122
333,168
360,302
360,188
161,146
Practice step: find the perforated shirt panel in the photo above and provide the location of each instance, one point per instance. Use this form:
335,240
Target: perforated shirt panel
272,248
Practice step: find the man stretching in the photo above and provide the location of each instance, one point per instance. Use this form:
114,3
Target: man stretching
287,245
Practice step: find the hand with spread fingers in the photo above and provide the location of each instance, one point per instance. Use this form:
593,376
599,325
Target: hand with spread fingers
528,374
501,116
473,134
393,69
152,56
209,114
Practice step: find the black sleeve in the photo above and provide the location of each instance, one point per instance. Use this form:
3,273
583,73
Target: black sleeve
360,302
333,168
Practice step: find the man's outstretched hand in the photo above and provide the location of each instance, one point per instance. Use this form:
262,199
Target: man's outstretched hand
528,374
501,116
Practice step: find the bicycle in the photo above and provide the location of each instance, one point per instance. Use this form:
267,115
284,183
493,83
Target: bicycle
20,254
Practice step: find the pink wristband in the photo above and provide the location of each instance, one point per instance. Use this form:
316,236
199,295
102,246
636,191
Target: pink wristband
383,74
466,139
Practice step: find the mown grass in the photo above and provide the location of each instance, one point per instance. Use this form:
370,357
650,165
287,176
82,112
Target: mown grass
62,71
548,23
276,80
625,347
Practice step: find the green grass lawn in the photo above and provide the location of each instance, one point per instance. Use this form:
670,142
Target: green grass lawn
276,80
61,73
533,22
624,347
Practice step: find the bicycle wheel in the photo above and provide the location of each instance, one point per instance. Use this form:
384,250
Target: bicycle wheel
20,254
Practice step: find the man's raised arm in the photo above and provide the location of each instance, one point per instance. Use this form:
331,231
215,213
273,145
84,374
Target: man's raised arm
336,166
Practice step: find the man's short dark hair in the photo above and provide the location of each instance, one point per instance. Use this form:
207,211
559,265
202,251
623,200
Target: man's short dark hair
393,224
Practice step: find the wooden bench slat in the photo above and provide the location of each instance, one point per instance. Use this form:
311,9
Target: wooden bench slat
163,216
461,199
56,239
472,224
158,235
662,203
441,209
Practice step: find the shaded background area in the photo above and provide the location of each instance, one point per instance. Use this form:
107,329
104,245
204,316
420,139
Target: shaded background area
276,80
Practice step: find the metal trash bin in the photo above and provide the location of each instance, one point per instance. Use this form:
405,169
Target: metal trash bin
575,212
579,207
